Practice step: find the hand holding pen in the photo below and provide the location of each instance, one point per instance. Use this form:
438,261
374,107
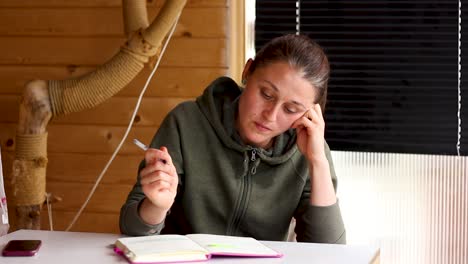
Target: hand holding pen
141,145
158,178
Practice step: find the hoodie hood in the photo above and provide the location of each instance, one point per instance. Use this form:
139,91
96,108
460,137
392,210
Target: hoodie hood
219,104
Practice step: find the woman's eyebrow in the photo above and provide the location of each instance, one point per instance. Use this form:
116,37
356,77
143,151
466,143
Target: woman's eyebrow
272,85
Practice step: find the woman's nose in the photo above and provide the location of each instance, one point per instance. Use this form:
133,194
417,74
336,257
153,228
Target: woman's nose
270,112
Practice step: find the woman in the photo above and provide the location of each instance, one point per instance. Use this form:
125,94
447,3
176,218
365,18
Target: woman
244,162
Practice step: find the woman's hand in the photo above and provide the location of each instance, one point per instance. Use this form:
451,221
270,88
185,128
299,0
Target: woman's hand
159,179
310,130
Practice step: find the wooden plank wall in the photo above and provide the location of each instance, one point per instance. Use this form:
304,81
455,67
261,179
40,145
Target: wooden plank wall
55,39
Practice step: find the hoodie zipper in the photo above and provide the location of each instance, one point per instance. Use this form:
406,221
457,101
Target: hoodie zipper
254,168
244,192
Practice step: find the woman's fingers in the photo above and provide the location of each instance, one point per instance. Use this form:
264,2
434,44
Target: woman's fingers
166,156
307,119
158,182
155,167
159,172
159,179
160,185
318,110
314,114
156,176
153,155
158,159
317,113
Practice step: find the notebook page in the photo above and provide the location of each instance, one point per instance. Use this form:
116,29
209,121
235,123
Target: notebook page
233,246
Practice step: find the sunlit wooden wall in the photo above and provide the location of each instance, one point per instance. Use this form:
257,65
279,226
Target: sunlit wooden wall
55,39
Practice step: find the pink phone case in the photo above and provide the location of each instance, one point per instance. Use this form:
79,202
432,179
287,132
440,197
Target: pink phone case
21,248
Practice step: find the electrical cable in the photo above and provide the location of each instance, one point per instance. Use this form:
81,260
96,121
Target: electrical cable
49,211
459,94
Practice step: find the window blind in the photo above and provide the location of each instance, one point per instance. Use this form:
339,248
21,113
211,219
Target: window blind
394,70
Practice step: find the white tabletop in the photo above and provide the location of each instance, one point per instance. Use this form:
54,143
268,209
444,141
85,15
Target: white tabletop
79,247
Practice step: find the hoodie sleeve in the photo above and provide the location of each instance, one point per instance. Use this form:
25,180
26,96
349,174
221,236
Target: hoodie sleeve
130,221
320,224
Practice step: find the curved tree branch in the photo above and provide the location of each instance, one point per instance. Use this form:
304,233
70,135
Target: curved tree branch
43,100
134,16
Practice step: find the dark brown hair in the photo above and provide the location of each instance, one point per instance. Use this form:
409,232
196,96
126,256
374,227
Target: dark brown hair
302,53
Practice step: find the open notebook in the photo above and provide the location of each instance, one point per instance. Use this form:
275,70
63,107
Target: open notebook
193,247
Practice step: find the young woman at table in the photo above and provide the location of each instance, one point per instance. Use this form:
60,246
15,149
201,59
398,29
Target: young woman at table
245,161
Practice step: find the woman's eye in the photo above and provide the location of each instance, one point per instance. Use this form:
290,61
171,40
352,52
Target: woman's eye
266,95
290,110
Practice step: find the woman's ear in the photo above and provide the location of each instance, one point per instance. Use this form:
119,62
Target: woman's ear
246,71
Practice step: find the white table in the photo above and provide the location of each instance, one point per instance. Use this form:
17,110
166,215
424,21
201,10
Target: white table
79,247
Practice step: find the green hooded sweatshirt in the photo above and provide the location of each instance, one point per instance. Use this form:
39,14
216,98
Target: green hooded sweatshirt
229,188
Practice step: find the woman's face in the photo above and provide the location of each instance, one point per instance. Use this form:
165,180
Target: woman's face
274,97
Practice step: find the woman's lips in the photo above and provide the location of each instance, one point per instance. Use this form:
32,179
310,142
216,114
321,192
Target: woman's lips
261,127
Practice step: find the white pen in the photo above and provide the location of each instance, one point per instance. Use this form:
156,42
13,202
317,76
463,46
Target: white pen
140,145
145,148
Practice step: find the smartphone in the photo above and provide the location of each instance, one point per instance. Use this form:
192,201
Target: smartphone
21,248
